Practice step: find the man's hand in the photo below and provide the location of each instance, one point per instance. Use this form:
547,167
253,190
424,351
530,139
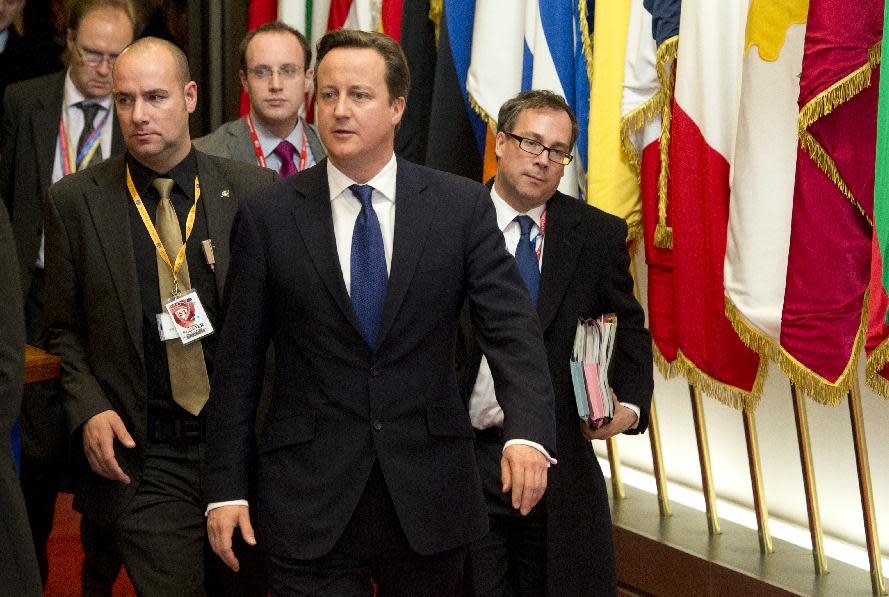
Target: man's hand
523,470
98,444
623,419
221,524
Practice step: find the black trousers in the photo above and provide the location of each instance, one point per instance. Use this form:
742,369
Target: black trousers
161,537
372,548
510,561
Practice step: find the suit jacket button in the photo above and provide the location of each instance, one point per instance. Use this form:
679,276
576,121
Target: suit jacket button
374,372
377,425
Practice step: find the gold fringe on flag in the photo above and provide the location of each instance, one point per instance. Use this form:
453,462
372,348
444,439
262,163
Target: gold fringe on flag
667,368
876,360
586,38
666,54
436,10
632,122
731,396
826,102
818,388
826,164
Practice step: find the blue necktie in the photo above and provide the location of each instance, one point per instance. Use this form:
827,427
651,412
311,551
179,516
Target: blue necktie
526,257
369,277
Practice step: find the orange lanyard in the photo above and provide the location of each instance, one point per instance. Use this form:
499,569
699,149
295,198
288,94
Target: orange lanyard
152,231
260,156
93,143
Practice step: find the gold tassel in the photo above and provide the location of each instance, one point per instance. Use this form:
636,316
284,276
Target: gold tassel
818,388
663,237
436,10
481,112
667,368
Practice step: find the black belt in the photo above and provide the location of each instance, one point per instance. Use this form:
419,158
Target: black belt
169,430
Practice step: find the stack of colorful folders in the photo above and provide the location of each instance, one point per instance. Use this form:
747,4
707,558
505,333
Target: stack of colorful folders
593,347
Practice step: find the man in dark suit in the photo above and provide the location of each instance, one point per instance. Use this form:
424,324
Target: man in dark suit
21,57
574,260
52,126
276,72
19,574
355,271
134,391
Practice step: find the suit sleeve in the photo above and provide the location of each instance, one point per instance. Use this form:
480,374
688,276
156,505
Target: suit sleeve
632,368
66,322
239,367
8,134
12,330
508,331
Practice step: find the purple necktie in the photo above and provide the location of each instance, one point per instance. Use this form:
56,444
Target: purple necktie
285,151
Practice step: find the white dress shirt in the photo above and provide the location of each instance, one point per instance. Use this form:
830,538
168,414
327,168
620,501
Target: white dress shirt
73,127
484,410
268,142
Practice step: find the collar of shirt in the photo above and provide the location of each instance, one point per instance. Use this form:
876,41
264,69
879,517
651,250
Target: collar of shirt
182,173
268,142
4,35
506,213
73,97
383,182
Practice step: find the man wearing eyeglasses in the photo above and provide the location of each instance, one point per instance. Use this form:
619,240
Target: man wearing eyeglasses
276,73
575,264
52,126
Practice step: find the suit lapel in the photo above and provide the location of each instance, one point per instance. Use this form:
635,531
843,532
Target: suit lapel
108,204
412,217
240,142
560,255
314,220
220,208
46,129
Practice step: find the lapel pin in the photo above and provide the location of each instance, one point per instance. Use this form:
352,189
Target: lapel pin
224,193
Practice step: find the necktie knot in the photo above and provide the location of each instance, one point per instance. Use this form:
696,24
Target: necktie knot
285,150
164,187
89,114
525,225
363,192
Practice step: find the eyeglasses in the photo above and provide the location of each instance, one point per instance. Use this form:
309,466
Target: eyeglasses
536,148
93,58
285,71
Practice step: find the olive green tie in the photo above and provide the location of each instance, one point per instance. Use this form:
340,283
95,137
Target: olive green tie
188,370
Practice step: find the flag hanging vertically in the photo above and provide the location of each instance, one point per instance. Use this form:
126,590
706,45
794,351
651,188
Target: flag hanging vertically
763,171
452,123
647,98
877,374
829,266
702,138
611,182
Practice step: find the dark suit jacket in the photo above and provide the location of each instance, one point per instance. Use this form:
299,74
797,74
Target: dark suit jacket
18,567
337,407
584,274
26,58
93,310
30,134
232,140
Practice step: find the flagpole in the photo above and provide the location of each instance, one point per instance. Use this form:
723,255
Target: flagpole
617,485
697,409
654,432
864,485
805,456
756,483
657,461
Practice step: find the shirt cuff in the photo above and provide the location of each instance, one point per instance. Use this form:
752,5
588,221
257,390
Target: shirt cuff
636,410
549,459
214,505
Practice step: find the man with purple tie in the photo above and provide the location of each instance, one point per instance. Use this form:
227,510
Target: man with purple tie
276,73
